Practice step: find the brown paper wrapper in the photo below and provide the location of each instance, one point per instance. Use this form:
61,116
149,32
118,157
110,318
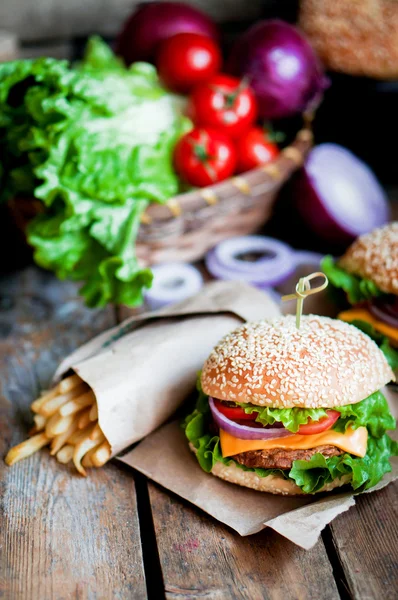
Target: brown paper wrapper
143,369
165,458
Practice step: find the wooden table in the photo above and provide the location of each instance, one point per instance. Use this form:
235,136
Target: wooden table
114,534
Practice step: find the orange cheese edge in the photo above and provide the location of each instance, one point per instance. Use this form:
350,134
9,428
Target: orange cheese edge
364,315
353,441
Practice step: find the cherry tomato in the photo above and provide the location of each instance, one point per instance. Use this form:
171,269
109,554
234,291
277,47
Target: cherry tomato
319,426
234,413
254,149
186,59
224,103
204,156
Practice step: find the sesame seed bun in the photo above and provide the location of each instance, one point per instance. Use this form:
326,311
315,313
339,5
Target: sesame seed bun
325,363
374,256
271,483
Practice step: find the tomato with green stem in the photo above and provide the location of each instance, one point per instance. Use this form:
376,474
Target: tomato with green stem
225,103
254,148
204,156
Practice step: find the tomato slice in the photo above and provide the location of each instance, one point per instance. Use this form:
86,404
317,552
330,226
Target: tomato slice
318,426
234,413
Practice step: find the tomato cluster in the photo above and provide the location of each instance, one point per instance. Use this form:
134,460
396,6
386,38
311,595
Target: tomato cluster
225,139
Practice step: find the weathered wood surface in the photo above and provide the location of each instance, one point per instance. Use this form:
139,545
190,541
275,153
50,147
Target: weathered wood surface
202,559
366,542
39,19
61,536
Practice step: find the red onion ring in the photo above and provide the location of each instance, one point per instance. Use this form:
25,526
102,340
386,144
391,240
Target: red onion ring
244,432
172,282
223,260
384,311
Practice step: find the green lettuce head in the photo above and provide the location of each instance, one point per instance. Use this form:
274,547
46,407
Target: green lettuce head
94,143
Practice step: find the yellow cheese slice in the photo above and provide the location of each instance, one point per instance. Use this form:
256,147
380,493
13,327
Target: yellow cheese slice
364,315
352,441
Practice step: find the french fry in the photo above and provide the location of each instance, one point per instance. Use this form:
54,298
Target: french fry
62,438
40,422
87,462
51,406
96,432
101,455
80,450
58,424
73,406
65,454
94,412
69,383
37,404
26,448
84,419
80,434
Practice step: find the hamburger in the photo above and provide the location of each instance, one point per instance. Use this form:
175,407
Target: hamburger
294,411
366,277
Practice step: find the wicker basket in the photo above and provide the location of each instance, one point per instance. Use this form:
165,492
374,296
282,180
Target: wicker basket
188,225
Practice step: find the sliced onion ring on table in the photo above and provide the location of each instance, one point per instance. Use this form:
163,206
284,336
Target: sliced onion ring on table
173,282
385,310
275,264
338,196
245,432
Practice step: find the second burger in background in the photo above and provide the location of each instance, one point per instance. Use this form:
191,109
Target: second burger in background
367,274
294,411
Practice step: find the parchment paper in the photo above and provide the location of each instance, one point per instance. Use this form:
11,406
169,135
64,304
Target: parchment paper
142,370
164,457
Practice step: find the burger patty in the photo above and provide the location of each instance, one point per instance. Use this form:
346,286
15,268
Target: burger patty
278,458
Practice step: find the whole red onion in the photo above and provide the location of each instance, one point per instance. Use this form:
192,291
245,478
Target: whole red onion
152,23
281,66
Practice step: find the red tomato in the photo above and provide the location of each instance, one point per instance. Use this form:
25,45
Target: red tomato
224,103
254,149
319,426
204,156
234,413
187,59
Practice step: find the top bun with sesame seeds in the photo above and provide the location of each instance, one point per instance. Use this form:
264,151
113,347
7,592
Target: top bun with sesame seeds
325,363
374,256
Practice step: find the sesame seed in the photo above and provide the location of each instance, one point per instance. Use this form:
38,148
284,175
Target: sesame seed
324,363
374,256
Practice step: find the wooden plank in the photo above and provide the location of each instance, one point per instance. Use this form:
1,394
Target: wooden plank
202,558
61,535
56,18
366,544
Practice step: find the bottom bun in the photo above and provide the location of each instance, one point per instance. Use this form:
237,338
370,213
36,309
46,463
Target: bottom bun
271,484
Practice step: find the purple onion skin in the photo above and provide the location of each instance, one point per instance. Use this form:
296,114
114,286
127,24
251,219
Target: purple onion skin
152,23
282,69
316,207
313,212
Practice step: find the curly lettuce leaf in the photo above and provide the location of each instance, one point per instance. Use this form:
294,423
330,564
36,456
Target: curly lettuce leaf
95,144
311,475
357,289
381,340
291,418
208,450
372,412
